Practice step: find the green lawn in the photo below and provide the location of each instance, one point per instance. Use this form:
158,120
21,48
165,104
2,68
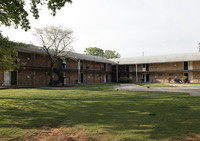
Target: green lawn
99,112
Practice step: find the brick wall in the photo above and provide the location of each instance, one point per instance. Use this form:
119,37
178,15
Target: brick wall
1,78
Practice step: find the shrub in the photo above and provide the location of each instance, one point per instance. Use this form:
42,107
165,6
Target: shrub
124,80
177,80
185,79
169,79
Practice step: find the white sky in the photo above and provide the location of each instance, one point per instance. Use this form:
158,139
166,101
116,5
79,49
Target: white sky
127,26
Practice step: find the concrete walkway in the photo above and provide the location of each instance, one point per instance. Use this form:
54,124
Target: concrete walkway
191,89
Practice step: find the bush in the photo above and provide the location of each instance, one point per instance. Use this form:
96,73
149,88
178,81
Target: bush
185,79
169,79
124,80
177,80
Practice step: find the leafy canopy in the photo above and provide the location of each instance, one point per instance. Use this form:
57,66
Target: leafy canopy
13,12
111,54
94,51
8,55
108,54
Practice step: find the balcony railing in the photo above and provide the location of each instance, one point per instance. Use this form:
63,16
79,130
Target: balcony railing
178,70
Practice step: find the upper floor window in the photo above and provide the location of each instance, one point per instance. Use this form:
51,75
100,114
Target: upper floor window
105,67
185,65
64,64
81,65
127,68
145,67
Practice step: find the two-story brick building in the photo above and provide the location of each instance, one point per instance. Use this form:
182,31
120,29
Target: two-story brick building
78,68
75,69
160,68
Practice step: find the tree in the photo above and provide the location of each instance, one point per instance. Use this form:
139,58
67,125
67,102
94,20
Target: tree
110,54
13,12
55,42
94,51
8,55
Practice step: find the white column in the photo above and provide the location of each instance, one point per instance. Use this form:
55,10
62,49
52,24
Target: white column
79,71
7,78
136,73
117,73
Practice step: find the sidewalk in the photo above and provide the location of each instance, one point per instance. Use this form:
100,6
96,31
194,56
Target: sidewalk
192,90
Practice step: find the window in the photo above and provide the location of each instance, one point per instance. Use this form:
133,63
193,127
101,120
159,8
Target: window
171,74
127,68
105,67
144,67
185,65
147,67
127,75
160,74
64,64
81,65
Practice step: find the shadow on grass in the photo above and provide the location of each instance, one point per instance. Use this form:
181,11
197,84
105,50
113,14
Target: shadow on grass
158,115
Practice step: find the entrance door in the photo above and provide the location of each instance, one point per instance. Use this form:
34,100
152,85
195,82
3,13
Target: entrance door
82,77
13,78
186,77
106,78
7,78
10,78
147,77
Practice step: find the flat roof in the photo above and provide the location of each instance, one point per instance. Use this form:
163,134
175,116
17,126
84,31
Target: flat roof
67,54
159,59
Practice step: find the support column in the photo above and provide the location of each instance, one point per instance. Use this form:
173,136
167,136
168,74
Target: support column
117,75
136,73
79,71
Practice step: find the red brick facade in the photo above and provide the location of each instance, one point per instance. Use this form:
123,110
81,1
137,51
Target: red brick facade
161,72
35,72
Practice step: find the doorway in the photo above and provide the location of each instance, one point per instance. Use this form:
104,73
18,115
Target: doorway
145,78
82,76
10,78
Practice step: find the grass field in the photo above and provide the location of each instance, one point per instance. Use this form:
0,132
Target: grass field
99,113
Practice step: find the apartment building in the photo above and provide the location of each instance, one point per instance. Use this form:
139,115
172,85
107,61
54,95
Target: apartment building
77,68
73,67
159,69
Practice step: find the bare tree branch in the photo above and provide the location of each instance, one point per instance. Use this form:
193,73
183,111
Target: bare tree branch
55,41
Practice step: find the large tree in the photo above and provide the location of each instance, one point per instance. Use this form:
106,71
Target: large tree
55,41
108,54
111,54
13,12
94,51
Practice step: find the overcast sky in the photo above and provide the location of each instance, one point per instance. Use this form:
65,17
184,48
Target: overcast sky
128,26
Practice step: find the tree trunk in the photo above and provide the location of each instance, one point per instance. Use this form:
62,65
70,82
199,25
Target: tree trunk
51,74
